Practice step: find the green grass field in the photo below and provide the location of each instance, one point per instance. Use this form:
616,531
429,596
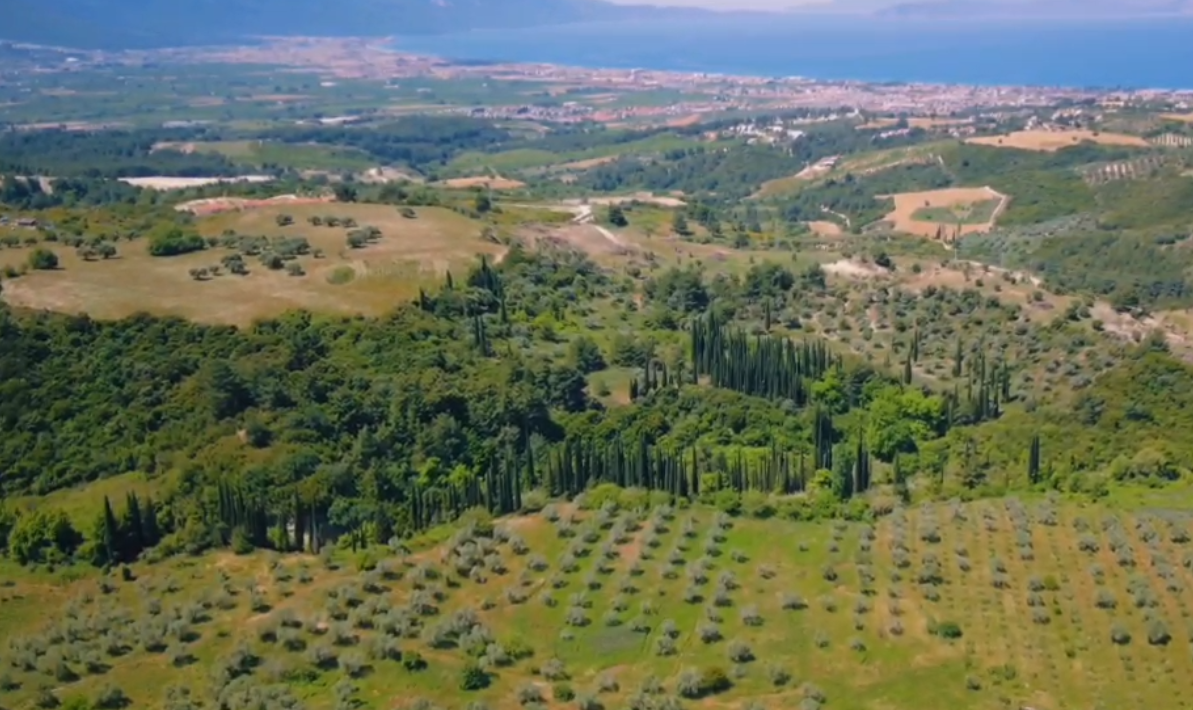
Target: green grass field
967,213
261,154
987,605
510,161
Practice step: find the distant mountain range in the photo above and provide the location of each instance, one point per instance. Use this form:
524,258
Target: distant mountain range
1035,9
126,24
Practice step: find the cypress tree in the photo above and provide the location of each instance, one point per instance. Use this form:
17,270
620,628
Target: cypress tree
132,526
1033,460
150,530
111,534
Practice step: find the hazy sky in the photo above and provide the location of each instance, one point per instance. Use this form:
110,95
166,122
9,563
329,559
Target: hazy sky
731,4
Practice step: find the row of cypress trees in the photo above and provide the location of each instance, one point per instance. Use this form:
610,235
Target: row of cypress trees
120,539
775,368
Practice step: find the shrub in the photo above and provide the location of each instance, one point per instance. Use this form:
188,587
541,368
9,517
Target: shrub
111,697
1120,635
779,676
607,683
1157,633
529,693
554,670
709,632
473,677
750,616
563,693
794,602
945,629
323,657
576,617
45,699
665,646
354,664
740,652
1040,616
413,661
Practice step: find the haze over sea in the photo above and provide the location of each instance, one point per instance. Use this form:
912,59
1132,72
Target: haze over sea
1154,53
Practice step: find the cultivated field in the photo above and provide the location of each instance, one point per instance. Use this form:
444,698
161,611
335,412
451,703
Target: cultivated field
299,156
857,165
1180,117
969,209
1055,140
1135,169
586,164
983,606
918,122
409,253
494,183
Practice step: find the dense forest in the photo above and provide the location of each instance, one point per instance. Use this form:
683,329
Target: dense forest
300,428
108,154
421,142
725,174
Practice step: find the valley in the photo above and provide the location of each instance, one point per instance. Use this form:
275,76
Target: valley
510,387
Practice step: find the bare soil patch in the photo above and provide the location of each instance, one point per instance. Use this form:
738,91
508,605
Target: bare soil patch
497,183
278,98
685,121
181,183
1055,140
855,269
215,205
903,219
825,228
385,175
588,238
1181,117
588,164
181,147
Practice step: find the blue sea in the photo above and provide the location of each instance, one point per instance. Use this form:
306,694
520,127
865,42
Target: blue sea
1104,54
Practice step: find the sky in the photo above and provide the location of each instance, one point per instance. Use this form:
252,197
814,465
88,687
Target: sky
732,4
760,4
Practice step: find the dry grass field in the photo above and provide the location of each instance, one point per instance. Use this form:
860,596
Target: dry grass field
410,253
825,228
495,183
991,605
918,212
586,164
1049,141
1179,117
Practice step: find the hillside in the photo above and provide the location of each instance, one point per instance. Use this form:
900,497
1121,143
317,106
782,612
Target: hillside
112,24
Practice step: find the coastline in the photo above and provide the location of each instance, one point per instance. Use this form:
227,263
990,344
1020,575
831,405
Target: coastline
1145,54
